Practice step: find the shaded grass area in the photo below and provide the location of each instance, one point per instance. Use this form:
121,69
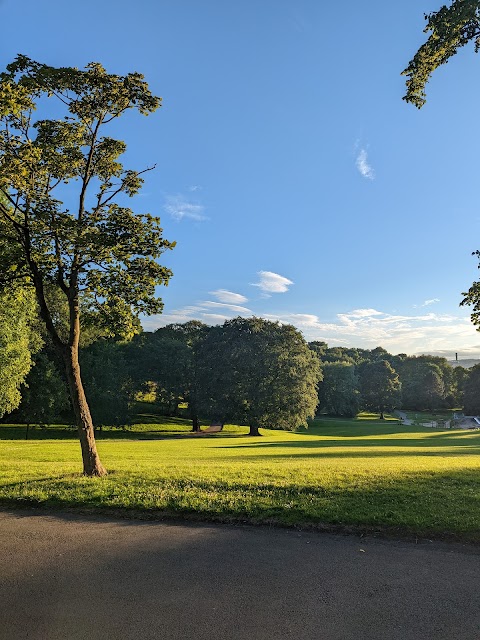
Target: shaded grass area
145,426
340,472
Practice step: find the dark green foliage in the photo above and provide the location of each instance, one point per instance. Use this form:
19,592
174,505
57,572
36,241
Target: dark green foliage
338,393
456,395
18,342
102,249
44,395
472,392
450,28
258,372
380,386
168,359
107,382
422,384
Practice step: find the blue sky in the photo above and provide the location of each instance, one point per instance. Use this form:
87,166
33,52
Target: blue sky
297,183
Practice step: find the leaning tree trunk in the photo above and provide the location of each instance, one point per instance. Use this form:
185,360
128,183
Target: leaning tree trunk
253,430
91,460
69,353
382,415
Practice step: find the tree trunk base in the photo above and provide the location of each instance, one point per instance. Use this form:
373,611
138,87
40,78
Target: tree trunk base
195,425
254,431
98,472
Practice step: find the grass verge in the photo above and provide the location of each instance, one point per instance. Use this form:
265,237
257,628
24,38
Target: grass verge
371,475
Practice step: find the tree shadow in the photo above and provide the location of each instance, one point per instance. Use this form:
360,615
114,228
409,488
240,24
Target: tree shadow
450,447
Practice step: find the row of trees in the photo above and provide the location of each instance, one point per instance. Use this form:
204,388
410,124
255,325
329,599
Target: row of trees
252,371
353,378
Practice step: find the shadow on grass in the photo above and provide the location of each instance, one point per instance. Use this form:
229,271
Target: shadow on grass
461,446
325,453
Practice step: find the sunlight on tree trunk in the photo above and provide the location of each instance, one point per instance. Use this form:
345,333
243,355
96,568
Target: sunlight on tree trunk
91,461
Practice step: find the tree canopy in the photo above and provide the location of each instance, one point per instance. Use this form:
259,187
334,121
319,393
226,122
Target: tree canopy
66,226
450,28
338,392
380,386
472,392
258,372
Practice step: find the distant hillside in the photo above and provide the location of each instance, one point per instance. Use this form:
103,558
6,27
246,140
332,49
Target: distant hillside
467,363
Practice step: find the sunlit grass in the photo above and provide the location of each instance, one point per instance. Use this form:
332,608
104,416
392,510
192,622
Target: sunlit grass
347,472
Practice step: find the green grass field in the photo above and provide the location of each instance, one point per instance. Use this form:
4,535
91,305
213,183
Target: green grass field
349,473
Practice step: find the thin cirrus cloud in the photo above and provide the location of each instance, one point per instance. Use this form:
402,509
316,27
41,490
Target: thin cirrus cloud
363,166
180,208
235,308
270,282
229,297
427,303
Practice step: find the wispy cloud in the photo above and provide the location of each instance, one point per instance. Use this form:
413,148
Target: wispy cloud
180,207
223,295
363,165
427,303
364,313
235,308
272,282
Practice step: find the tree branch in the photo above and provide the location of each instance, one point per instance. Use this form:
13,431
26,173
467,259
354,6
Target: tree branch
122,186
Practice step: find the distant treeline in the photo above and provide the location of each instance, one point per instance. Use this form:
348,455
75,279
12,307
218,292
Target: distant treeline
375,379
249,370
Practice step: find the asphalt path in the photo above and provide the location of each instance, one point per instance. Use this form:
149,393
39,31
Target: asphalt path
69,577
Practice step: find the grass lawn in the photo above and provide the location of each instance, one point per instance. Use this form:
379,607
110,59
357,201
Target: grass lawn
361,473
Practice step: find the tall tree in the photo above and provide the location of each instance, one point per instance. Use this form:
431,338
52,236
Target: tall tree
167,359
66,226
338,392
190,336
422,384
460,377
380,386
450,28
258,372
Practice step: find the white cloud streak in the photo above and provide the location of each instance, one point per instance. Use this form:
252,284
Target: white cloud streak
363,166
180,207
223,295
272,282
223,305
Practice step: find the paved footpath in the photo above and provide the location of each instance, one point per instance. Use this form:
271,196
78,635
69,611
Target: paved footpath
70,577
